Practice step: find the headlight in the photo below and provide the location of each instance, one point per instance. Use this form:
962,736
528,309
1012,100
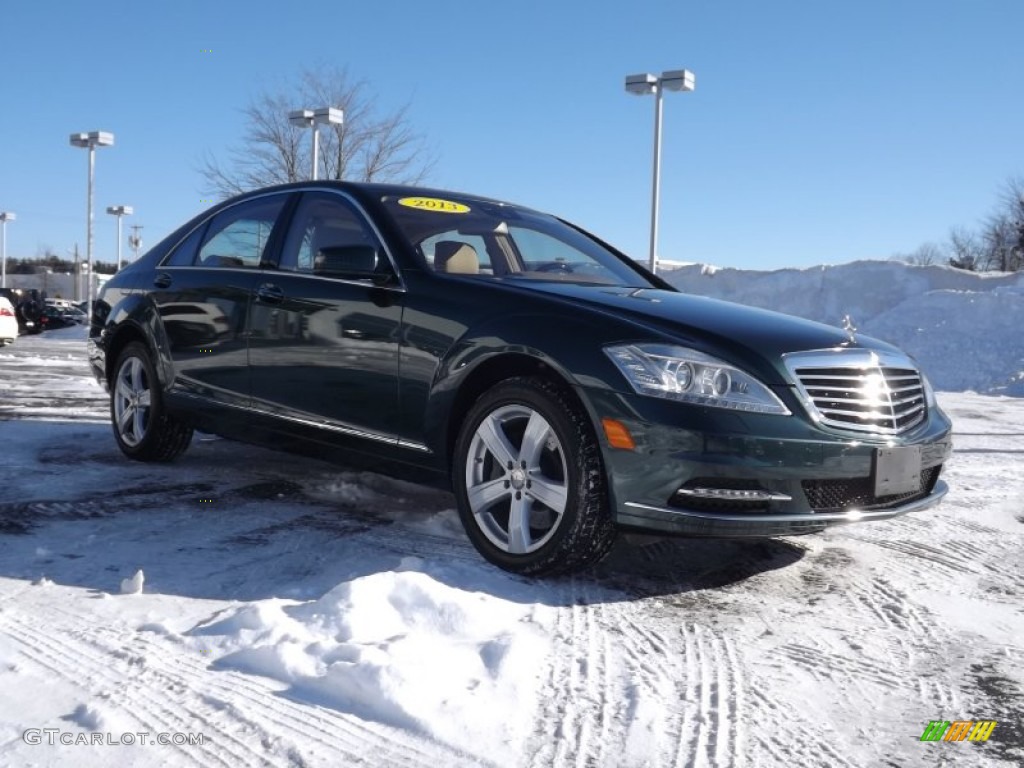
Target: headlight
680,373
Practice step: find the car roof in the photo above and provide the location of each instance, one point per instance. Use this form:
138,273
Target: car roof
376,190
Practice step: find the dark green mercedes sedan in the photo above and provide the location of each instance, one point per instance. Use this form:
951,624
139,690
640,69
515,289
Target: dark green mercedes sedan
563,392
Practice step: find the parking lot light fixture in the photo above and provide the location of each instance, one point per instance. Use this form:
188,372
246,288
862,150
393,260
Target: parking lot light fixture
120,211
642,85
4,218
314,118
90,141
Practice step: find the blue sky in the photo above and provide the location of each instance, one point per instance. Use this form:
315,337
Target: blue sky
819,132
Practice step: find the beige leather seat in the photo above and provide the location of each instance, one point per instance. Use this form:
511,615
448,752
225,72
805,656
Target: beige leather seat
456,258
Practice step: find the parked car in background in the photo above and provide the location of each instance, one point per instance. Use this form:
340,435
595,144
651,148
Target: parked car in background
76,314
8,322
27,305
563,392
53,317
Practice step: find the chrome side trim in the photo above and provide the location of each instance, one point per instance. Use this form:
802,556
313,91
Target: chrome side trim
345,430
832,518
340,428
413,446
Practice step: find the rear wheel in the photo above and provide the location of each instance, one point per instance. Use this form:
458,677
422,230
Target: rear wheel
142,428
529,481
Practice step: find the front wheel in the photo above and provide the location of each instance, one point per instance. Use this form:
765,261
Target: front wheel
529,481
142,428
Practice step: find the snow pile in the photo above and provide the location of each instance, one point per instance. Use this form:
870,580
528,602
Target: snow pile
963,327
133,585
400,648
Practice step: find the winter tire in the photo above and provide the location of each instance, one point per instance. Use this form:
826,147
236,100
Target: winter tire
529,481
142,428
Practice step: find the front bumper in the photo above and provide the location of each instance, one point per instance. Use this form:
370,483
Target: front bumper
691,522
807,477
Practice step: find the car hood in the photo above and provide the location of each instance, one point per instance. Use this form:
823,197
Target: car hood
718,327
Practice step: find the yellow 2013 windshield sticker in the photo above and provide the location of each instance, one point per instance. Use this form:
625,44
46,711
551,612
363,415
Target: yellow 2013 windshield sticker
433,204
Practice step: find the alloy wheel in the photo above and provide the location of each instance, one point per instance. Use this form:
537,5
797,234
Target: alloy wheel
132,400
516,479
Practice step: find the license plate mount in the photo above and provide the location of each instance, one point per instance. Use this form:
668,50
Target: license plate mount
897,470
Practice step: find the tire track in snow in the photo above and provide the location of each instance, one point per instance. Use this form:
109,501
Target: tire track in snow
189,676
713,686
895,611
603,655
827,666
891,632
790,739
588,686
54,655
981,555
651,661
589,692
557,711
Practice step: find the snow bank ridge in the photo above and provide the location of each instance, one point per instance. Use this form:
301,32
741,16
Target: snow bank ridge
964,328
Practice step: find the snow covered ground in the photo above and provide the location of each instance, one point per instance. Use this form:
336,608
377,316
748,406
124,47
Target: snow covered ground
295,613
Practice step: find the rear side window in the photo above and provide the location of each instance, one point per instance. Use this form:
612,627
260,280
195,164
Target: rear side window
235,237
238,236
184,255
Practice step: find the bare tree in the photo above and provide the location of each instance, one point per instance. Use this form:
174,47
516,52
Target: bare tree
1012,200
999,240
924,255
366,147
967,252
999,244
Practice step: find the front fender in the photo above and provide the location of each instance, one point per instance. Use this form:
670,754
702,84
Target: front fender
514,345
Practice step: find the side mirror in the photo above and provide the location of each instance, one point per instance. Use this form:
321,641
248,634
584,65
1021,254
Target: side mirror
351,262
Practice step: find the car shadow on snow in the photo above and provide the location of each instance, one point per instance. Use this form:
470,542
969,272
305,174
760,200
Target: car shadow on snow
233,522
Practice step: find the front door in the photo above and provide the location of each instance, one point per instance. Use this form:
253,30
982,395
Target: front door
323,351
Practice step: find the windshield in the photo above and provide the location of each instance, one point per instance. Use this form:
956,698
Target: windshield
497,241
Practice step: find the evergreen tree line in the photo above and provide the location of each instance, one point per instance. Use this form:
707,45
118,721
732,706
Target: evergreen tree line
54,263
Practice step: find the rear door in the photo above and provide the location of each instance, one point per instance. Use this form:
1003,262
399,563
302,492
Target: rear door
202,295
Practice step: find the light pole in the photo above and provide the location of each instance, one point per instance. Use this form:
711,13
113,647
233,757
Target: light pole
641,85
90,141
120,211
4,218
314,118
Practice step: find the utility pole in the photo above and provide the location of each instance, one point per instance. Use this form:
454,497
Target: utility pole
78,277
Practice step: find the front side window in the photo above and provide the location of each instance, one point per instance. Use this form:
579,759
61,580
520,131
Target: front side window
323,220
238,236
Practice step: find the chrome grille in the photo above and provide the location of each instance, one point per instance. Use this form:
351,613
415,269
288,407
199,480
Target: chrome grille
861,391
